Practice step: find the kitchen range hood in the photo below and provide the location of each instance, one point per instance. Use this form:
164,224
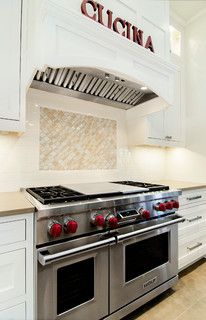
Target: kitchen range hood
92,85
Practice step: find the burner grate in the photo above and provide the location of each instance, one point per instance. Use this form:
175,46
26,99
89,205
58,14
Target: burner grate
59,194
55,194
150,186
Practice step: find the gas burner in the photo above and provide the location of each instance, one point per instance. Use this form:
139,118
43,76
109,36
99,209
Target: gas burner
60,194
55,194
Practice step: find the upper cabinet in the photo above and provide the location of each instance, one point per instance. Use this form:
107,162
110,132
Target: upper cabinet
166,127
163,128
10,64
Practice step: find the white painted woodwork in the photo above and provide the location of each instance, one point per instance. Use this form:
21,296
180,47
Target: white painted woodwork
192,232
11,232
14,313
172,116
10,58
13,64
17,267
12,274
163,128
65,30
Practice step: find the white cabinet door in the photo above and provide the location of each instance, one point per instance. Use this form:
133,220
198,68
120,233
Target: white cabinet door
10,32
13,313
172,115
156,125
12,274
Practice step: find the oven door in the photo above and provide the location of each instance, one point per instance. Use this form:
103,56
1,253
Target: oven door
73,280
142,262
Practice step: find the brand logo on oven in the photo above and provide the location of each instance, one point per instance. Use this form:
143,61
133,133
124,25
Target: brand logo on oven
150,282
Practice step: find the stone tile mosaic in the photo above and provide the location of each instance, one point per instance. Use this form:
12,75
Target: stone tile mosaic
73,141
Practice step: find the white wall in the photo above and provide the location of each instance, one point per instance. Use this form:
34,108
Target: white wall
19,155
190,163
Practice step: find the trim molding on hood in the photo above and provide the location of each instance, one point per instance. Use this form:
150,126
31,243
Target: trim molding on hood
74,46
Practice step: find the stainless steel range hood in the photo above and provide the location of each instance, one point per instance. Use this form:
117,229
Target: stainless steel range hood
92,85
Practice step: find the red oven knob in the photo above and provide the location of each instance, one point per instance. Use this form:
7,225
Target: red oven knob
169,205
145,214
113,222
55,229
161,207
176,204
98,220
70,226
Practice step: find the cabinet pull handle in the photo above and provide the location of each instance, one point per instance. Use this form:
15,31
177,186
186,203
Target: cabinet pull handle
168,137
194,219
199,244
194,198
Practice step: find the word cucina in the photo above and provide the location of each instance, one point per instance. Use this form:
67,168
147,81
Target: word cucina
119,25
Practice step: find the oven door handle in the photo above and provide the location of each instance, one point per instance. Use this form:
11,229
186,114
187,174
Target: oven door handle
148,229
45,259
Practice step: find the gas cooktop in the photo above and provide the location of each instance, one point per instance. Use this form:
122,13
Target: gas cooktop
87,191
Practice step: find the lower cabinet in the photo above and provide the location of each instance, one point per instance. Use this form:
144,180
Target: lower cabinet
12,274
192,233
14,313
16,268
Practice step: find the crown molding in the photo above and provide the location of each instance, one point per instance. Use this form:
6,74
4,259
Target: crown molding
197,16
182,22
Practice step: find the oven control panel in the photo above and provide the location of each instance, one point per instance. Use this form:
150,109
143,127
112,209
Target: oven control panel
73,224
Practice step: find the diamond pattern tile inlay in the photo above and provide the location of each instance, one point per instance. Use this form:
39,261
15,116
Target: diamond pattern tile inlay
73,141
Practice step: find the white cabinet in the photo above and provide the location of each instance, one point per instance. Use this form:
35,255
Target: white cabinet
163,128
10,64
10,30
12,274
13,313
192,233
16,268
168,121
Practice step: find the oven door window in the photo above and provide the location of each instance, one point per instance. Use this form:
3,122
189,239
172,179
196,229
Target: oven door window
75,285
145,255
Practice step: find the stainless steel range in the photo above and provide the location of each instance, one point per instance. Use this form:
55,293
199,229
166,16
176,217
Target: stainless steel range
103,249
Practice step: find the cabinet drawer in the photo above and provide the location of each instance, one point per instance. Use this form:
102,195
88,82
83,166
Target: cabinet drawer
193,197
13,313
12,231
193,215
190,247
12,275
188,233
186,259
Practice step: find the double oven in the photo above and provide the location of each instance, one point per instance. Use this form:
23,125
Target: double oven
107,275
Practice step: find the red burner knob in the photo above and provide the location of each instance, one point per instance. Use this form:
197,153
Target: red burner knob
176,204
169,205
113,222
55,229
71,226
146,214
161,207
99,221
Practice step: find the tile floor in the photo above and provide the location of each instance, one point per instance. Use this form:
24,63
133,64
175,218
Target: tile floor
186,301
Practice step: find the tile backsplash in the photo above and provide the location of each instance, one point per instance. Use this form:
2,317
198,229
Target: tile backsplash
74,141
20,154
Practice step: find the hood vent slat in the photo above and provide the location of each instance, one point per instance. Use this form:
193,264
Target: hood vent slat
92,85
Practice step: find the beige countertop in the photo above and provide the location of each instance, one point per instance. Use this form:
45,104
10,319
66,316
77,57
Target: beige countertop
182,185
14,203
